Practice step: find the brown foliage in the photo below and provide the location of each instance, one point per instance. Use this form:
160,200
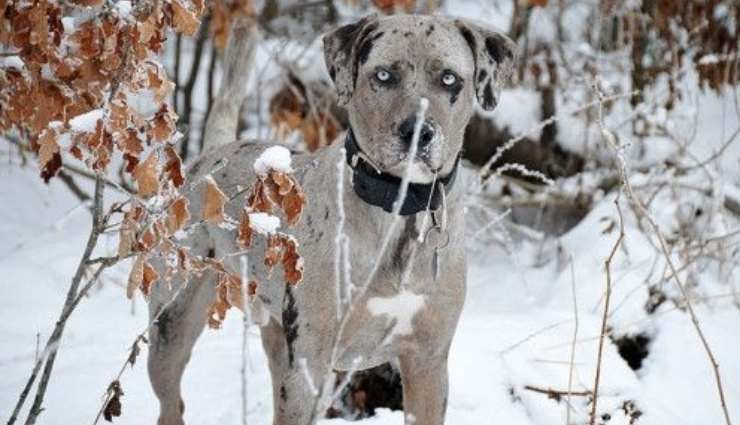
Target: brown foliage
308,111
88,68
113,406
213,202
278,190
228,294
146,176
177,215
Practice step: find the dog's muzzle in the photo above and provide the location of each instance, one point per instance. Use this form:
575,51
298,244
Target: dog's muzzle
406,132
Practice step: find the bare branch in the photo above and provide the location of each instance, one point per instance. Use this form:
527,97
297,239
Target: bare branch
607,299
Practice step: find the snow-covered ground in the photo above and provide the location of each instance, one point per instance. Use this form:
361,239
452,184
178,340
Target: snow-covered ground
526,305
516,331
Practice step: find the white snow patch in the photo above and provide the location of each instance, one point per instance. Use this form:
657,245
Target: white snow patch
276,158
11,62
124,8
708,59
68,23
86,122
264,223
402,307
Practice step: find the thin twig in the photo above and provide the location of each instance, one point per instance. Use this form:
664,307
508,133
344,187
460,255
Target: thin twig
605,316
557,394
571,362
531,336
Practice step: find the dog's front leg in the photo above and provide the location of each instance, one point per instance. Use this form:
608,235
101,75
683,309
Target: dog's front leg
424,388
298,361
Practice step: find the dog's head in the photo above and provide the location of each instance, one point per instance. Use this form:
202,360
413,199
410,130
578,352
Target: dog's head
383,67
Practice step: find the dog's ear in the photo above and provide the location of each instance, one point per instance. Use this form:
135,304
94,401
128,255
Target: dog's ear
340,54
493,54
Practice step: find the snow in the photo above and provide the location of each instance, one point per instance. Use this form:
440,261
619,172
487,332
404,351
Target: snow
11,62
85,123
708,59
517,328
264,223
68,23
124,7
401,308
517,110
273,158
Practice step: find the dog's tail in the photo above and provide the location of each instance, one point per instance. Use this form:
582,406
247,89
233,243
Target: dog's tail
238,62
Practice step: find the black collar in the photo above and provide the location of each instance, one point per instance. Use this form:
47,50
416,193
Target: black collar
381,189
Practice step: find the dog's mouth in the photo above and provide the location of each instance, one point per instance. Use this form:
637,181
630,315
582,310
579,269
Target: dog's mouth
421,169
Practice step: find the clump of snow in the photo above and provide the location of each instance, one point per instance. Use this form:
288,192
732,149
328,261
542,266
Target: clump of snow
402,307
56,125
68,23
86,122
264,223
709,59
11,62
276,158
124,8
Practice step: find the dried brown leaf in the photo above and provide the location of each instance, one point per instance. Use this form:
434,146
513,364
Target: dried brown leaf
293,204
48,147
113,406
136,278
149,278
292,261
163,124
146,176
244,236
217,310
177,215
127,233
213,202
52,167
273,253
173,168
183,19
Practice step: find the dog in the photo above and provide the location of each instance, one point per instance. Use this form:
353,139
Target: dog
406,299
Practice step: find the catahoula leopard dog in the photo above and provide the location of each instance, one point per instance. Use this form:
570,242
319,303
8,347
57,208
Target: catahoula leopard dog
408,298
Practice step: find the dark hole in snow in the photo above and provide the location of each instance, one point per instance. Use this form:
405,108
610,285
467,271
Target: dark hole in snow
633,349
379,387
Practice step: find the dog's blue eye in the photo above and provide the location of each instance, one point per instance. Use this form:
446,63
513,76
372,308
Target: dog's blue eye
449,79
382,75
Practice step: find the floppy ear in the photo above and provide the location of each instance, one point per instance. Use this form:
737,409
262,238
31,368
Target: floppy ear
493,54
340,54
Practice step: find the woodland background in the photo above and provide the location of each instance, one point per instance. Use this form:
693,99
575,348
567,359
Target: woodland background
603,213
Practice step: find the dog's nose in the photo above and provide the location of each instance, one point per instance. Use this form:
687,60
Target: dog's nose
406,132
